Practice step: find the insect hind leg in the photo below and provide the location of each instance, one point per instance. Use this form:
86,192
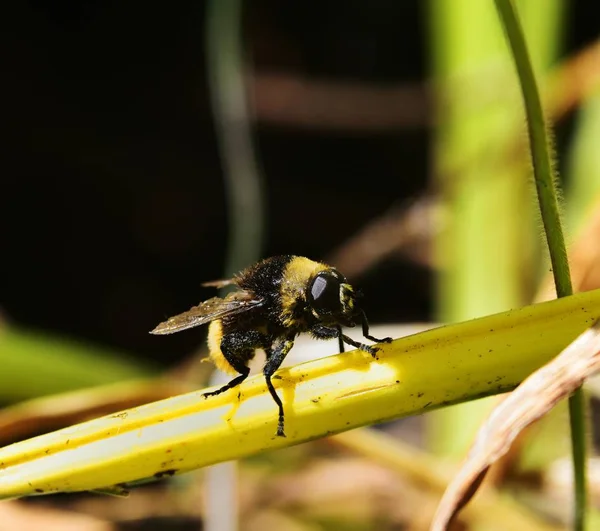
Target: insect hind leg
238,350
233,383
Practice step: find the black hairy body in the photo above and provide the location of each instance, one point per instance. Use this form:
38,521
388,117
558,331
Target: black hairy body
277,299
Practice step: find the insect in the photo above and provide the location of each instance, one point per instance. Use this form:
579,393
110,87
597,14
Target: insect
277,299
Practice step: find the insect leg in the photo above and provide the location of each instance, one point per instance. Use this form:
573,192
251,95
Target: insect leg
361,346
324,332
365,330
340,340
275,356
233,383
238,349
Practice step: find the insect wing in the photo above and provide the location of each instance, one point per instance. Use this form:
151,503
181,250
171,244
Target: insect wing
219,283
209,310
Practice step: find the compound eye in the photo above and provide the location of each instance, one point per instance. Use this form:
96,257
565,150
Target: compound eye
324,294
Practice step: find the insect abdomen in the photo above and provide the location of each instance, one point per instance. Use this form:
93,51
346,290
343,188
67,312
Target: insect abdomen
215,335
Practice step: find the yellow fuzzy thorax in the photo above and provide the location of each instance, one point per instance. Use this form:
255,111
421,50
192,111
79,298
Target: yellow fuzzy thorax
296,277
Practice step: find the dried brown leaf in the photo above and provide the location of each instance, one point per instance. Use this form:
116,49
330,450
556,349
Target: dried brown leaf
536,395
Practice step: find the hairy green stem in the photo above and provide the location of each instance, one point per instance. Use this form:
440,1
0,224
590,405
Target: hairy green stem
547,197
540,152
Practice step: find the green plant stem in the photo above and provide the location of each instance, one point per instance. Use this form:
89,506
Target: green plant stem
540,152
226,68
547,197
577,416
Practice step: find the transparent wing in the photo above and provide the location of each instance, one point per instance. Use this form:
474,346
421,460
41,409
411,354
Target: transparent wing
219,283
209,310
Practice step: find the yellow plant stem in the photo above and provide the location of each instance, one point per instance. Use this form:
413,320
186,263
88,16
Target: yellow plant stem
413,374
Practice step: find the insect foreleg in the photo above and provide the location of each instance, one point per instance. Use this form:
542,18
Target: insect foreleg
365,330
275,356
325,332
340,340
361,346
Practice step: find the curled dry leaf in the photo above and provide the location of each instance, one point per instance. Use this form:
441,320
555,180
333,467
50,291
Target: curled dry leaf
536,395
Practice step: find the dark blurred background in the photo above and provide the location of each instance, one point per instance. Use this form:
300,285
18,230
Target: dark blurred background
112,202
